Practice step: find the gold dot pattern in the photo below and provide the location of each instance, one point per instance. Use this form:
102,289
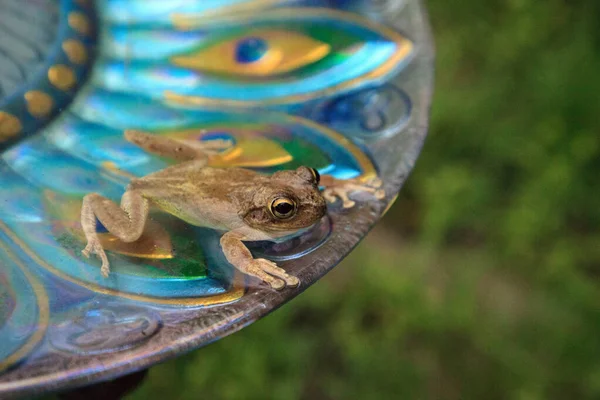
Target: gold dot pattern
79,22
39,104
10,126
62,77
75,51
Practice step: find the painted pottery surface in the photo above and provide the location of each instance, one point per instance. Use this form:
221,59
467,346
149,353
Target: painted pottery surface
343,86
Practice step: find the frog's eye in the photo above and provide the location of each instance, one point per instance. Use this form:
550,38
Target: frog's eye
316,175
283,208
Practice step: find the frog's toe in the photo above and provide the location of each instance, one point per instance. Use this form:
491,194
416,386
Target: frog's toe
329,196
263,269
277,284
105,270
376,183
90,248
292,281
272,269
343,194
94,247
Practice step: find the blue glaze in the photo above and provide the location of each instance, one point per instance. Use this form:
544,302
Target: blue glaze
118,110
160,12
146,43
19,201
46,167
96,143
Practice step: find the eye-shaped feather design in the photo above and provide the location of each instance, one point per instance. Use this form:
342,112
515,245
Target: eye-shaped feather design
284,56
261,53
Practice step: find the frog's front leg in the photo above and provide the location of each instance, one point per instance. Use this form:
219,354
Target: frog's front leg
334,188
240,257
125,222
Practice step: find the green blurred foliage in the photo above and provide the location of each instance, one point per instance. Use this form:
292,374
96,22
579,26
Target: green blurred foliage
482,281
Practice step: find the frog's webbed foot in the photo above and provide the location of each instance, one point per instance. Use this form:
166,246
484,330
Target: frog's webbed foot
269,272
94,247
342,189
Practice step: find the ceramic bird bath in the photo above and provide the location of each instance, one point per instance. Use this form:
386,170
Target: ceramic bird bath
343,86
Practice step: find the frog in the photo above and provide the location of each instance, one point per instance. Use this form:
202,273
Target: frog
241,203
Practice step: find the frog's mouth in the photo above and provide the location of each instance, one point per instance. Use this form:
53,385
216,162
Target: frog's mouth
300,223
285,234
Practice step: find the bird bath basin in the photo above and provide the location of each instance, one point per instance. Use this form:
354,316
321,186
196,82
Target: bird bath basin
341,86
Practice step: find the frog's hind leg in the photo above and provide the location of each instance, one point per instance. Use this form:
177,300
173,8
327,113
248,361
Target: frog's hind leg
126,221
176,149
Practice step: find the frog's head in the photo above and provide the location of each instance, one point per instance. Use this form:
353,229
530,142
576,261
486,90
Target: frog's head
289,201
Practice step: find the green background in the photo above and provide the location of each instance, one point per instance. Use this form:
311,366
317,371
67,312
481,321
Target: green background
482,280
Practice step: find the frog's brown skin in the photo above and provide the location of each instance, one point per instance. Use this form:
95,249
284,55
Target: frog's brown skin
240,202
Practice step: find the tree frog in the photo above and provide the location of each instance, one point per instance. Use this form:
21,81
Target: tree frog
243,204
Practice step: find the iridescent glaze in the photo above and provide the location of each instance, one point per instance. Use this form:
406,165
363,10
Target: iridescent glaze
159,12
24,308
289,82
308,53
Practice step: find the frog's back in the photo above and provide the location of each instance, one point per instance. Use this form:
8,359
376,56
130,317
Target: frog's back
199,196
